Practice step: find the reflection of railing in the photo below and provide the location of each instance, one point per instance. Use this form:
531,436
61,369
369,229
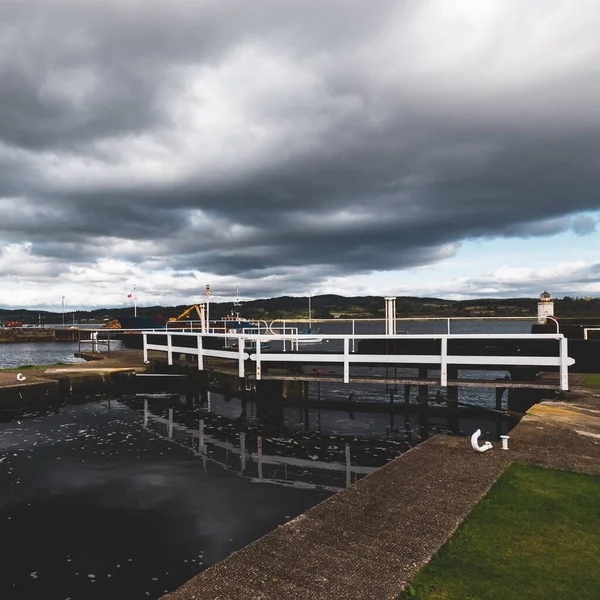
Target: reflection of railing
98,341
440,359
249,458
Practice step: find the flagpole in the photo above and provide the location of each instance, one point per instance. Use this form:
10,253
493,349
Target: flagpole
134,303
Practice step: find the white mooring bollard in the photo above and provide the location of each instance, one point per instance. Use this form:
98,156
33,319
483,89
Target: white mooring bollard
505,439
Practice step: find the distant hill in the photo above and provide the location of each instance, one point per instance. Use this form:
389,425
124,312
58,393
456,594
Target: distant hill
330,306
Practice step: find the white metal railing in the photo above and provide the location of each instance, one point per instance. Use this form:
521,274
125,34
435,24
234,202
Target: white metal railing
586,329
346,357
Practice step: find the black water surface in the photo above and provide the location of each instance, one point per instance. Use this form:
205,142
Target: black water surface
93,506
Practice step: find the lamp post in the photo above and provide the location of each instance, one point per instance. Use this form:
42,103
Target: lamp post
309,312
63,312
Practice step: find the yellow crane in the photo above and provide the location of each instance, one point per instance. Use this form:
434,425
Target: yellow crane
199,311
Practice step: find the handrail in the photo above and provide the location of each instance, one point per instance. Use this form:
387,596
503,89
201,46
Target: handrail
345,357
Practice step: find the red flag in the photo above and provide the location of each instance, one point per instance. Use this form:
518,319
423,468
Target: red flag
130,295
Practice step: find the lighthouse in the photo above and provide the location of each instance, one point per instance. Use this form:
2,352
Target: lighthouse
545,307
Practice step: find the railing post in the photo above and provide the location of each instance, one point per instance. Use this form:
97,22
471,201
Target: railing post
346,361
564,366
241,347
444,362
169,350
353,340
145,340
283,335
257,360
200,354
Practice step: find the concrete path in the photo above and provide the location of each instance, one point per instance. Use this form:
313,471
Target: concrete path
368,541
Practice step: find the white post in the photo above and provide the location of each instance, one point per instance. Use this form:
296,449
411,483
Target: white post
444,363
207,294
564,367
200,354
448,332
346,361
260,457
242,452
169,349
170,428
284,335
201,449
145,413
208,401
257,356
241,356
390,315
348,471
353,340
145,338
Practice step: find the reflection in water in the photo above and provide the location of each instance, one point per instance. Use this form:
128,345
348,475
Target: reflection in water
306,442
93,506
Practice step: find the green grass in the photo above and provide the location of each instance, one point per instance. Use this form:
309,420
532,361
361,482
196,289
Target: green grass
591,380
30,367
535,536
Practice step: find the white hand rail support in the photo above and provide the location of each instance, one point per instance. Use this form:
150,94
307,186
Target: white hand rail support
346,361
564,368
145,338
200,354
169,350
444,363
241,356
258,360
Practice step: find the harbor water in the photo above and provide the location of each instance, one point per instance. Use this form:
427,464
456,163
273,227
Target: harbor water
95,506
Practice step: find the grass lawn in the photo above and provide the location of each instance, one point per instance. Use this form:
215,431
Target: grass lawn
591,380
29,367
535,536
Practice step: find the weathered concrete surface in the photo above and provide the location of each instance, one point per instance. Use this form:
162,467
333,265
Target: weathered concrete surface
366,542
370,540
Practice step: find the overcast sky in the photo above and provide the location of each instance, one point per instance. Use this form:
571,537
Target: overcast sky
412,148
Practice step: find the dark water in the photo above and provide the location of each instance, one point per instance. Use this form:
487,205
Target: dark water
92,505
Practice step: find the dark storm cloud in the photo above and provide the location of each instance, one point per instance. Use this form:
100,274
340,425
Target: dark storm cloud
338,137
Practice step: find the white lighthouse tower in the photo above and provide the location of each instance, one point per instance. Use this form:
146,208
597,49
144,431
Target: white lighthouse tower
545,307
